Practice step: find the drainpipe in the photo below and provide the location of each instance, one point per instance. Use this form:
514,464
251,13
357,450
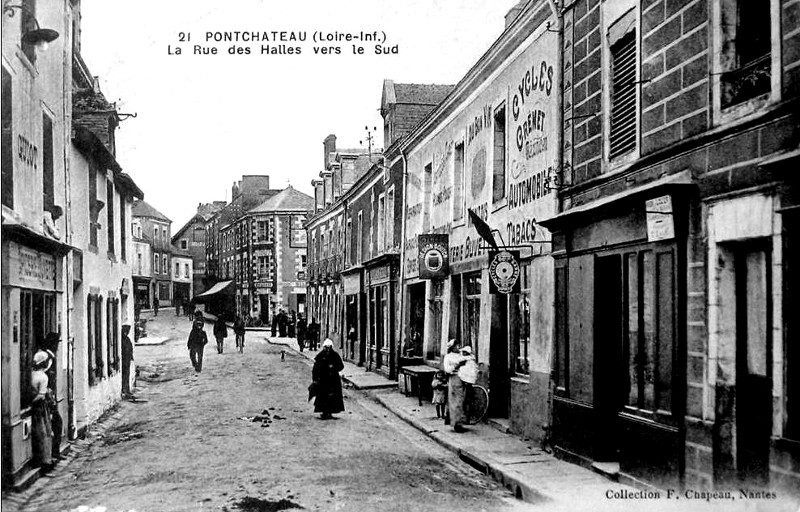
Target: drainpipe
402,280
560,161
68,290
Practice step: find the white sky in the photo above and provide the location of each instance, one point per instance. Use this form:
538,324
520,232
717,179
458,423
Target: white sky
205,120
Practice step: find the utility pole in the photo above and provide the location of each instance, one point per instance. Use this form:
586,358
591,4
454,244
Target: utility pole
370,138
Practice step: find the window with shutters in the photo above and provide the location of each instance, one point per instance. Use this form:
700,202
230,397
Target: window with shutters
623,129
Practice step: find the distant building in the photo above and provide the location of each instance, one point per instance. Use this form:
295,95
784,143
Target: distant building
192,237
270,255
182,276
155,227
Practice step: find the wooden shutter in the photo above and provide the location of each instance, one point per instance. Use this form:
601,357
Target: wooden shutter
623,95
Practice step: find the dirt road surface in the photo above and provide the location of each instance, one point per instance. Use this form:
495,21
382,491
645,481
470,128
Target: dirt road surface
241,435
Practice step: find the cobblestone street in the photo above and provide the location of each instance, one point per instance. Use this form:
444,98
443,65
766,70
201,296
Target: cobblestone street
241,436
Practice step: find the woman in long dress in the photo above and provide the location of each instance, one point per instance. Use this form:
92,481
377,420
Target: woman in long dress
41,426
327,382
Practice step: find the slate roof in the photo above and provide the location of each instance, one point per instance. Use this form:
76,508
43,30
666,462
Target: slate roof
287,199
143,209
421,94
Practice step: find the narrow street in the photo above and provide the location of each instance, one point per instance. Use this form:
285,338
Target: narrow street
241,436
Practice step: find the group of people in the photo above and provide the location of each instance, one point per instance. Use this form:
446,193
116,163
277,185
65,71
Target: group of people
449,384
198,337
294,325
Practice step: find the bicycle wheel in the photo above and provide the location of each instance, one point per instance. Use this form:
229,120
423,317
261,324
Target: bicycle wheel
476,404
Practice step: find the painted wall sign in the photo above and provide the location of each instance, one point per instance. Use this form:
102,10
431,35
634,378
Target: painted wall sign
433,256
30,268
504,272
660,222
27,152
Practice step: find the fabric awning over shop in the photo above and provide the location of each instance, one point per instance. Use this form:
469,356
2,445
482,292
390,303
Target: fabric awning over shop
214,290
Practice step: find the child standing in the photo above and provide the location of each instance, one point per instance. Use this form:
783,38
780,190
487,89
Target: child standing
439,385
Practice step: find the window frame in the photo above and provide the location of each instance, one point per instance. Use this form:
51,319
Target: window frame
615,15
756,105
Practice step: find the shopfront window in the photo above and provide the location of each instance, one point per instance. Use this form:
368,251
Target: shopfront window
437,309
94,330
519,320
472,310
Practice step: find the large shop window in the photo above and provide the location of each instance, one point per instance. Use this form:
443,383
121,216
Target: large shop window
437,312
519,319
472,310
37,318
649,328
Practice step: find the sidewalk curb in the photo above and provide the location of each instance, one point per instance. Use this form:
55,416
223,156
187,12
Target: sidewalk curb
492,468
509,478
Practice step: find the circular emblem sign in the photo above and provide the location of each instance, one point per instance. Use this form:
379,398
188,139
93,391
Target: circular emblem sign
504,271
434,259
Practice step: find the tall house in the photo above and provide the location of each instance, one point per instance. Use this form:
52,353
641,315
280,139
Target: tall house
270,255
66,248
192,238
155,230
326,234
677,240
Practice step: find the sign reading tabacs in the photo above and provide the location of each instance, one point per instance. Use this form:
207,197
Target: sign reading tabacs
504,272
433,256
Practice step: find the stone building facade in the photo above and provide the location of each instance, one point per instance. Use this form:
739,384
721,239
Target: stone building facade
674,245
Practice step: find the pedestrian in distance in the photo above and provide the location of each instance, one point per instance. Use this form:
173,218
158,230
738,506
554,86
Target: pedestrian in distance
127,359
456,389
274,324
313,334
238,331
155,307
282,322
177,307
439,386
196,345
192,309
291,323
220,332
326,382
301,331
41,427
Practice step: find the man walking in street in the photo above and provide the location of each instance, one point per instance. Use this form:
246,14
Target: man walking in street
127,359
155,307
313,334
301,331
196,344
239,330
220,332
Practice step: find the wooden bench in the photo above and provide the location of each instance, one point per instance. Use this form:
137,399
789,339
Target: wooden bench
421,374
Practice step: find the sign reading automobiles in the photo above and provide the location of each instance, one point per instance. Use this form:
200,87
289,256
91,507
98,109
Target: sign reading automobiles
433,256
504,272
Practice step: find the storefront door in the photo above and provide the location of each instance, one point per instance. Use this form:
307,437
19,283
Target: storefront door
498,358
607,356
753,362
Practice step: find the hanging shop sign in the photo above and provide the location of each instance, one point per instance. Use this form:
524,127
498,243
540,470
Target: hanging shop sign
30,268
433,256
660,222
504,272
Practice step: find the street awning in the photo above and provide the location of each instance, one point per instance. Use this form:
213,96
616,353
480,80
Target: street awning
214,290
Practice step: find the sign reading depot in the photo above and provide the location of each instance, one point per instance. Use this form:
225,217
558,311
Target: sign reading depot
433,256
504,272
